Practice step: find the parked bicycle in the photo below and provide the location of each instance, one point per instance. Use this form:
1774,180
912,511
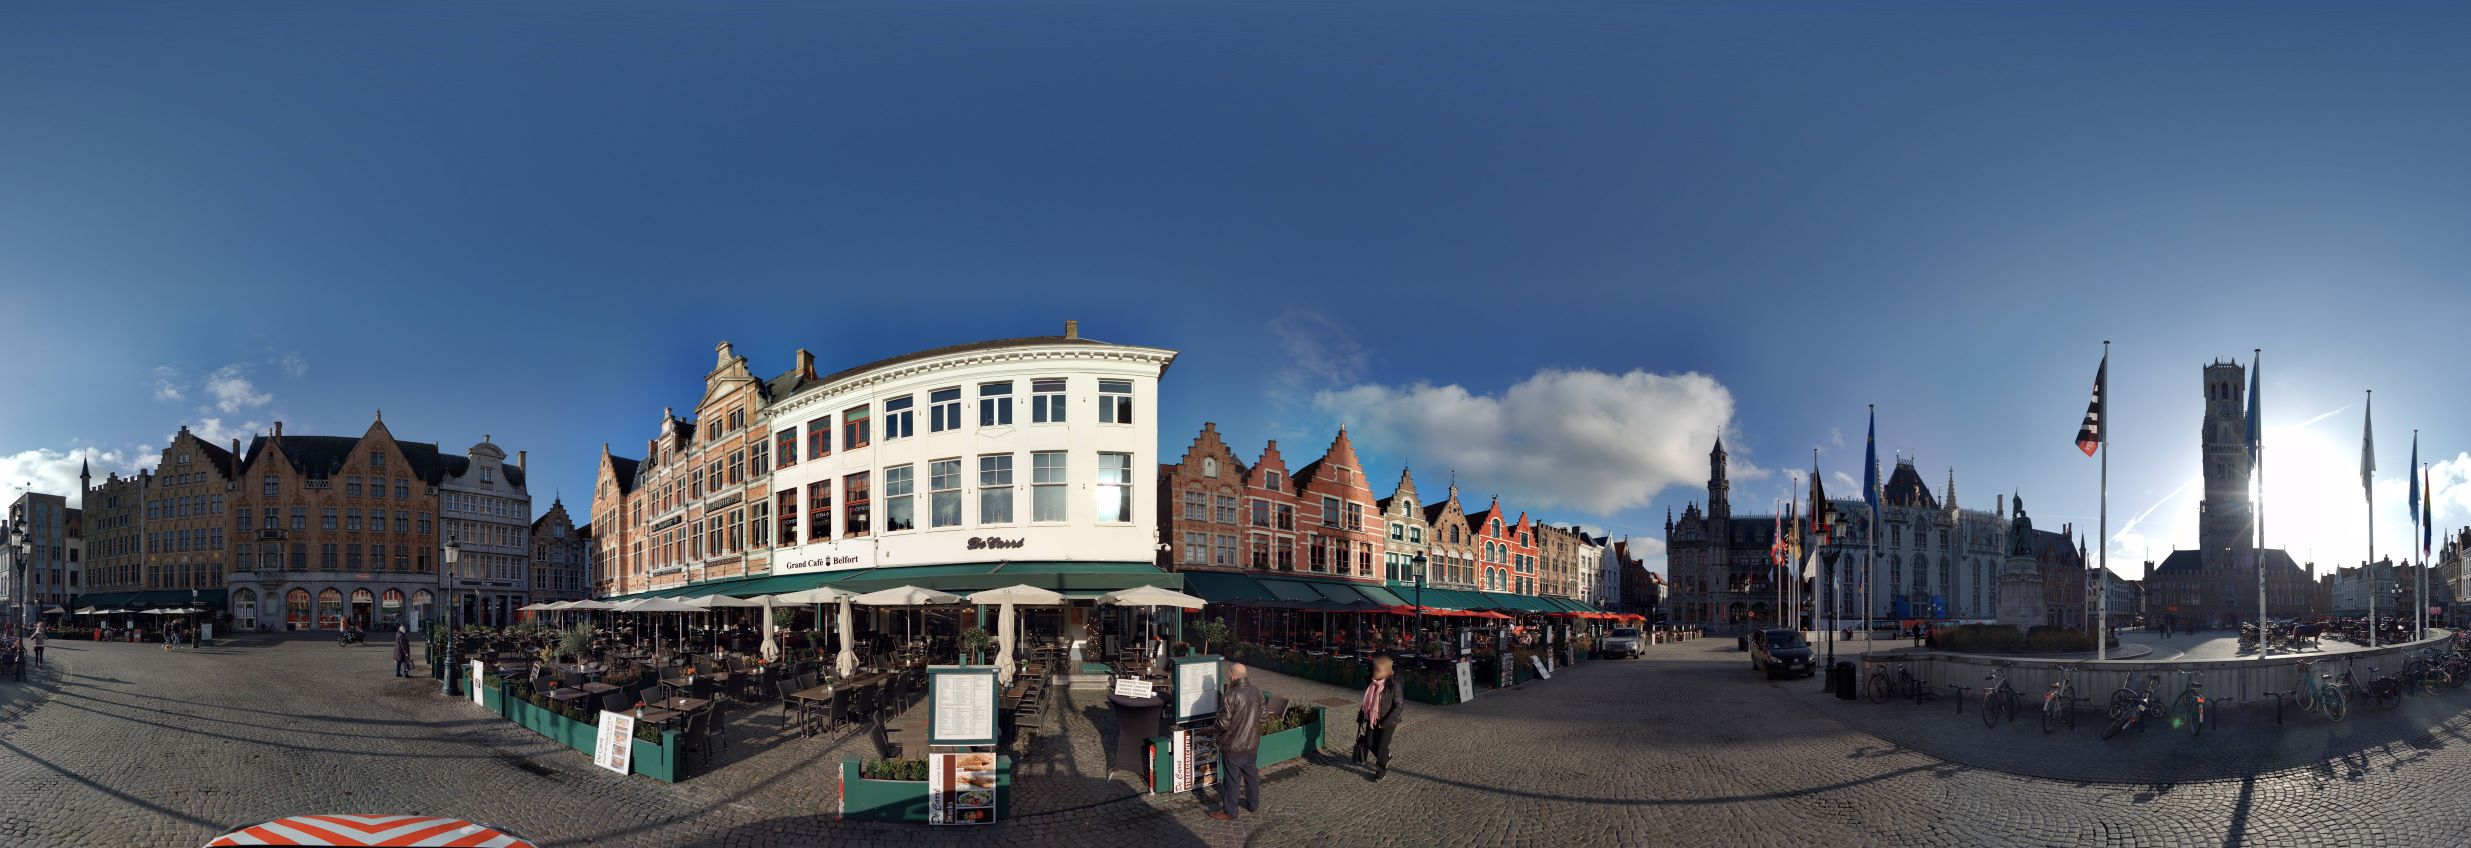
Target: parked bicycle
2382,690
2131,705
2190,709
2319,692
2059,704
1999,700
1897,682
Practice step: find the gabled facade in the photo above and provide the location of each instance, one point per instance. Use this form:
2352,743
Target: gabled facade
561,556
115,524
1409,536
619,515
485,507
1201,506
332,529
1335,507
1454,551
1270,540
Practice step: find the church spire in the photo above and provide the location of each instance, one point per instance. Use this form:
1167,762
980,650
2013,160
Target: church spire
1719,490
1951,488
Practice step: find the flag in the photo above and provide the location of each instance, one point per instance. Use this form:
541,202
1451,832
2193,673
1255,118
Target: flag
1810,567
1776,544
2415,479
2428,508
1870,467
2089,435
2368,449
2256,424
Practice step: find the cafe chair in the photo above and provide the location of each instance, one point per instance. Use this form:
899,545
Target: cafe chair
787,687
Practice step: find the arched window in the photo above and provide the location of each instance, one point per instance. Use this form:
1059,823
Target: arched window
390,607
421,603
296,609
330,610
244,609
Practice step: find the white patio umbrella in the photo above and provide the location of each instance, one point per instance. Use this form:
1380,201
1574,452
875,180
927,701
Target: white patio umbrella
652,605
1153,597
847,661
1005,620
906,596
718,602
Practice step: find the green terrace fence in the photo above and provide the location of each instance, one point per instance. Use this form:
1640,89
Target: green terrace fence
1289,744
654,759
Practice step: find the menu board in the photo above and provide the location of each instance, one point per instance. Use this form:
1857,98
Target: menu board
1541,671
1467,681
1134,687
1196,760
961,788
1196,688
964,699
615,748
480,672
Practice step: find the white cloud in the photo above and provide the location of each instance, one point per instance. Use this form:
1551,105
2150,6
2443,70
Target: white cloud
213,431
54,472
293,365
1583,439
1649,551
1845,483
1320,354
232,390
168,385
1836,436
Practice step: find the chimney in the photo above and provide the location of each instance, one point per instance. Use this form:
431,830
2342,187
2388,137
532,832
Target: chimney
278,429
1072,329
806,363
519,459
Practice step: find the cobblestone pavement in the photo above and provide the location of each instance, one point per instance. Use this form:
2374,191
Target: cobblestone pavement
121,744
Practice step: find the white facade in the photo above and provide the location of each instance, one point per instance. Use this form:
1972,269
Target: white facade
981,475
484,507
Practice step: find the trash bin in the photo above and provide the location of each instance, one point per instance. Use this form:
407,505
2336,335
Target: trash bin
1840,680
1741,642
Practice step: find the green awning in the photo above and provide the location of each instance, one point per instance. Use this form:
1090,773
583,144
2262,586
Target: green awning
1290,590
149,599
1340,593
1383,596
1220,587
958,578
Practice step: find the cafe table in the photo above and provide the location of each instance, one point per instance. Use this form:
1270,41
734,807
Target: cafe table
1136,720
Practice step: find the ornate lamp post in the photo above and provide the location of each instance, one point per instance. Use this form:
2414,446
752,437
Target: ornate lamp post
1419,562
454,550
18,551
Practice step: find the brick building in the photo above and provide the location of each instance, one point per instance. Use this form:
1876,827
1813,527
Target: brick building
698,506
1409,534
330,529
1201,506
561,556
1453,550
1270,508
1333,504
114,523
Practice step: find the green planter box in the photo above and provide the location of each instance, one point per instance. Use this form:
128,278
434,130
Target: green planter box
658,761
906,800
1444,694
1289,744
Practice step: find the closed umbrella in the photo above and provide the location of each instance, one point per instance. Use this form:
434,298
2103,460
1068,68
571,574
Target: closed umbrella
1005,620
847,662
1153,597
826,595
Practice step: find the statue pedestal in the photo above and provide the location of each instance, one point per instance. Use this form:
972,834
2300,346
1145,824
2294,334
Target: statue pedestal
2020,594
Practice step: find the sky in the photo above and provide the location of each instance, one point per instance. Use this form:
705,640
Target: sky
1555,249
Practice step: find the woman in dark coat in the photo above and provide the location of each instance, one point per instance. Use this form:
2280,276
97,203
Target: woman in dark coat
403,652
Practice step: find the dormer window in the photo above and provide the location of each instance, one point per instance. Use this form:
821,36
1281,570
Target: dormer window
484,474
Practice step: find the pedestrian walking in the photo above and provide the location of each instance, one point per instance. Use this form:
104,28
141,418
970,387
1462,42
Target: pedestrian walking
1239,741
1377,717
171,637
403,652
38,645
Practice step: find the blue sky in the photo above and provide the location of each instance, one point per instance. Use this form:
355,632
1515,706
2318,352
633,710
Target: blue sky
1554,247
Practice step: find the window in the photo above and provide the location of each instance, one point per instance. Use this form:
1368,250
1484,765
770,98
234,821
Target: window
484,473
1364,560
1286,516
694,539
1261,551
758,522
899,513
1196,506
819,437
785,443
1318,554
1225,553
1047,478
1115,402
351,556
1209,466
351,486
995,489
1046,401
995,404
424,525
737,418
855,515
944,486
737,467
944,410
1329,511
696,488
898,418
1286,554
1398,531
1355,516
300,518
403,558
1196,548
758,461
326,556
789,516
1269,480
854,427
271,488
1228,508
403,490
300,556
1115,487
1261,513
403,521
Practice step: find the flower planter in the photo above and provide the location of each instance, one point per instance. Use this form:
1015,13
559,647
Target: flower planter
906,800
656,760
1275,748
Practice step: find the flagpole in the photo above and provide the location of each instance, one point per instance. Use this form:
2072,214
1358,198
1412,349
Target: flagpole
2101,640
1870,563
2256,367
2367,484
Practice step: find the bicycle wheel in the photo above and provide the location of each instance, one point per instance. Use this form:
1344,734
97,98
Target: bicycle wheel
1879,688
2183,710
2386,691
2413,672
2337,704
2050,712
2067,707
1990,709
2119,721
2306,694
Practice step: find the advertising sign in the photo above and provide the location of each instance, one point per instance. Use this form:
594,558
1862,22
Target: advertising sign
1134,687
615,748
1196,688
1196,761
480,672
960,788
964,705
1467,681
1541,671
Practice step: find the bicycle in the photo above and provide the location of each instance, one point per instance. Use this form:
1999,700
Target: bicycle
2189,707
2059,704
2320,693
2130,706
2382,690
1999,697
1882,686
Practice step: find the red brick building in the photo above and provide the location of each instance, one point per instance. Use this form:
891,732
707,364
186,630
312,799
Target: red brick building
1201,505
1270,514
1339,514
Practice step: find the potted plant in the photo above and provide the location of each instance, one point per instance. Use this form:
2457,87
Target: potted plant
974,643
1212,632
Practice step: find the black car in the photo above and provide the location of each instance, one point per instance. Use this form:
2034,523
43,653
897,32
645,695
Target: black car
1781,651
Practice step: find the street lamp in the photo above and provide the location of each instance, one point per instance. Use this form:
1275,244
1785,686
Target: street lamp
1419,625
18,551
454,551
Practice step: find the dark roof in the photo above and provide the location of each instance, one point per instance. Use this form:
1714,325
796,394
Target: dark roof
1905,488
1751,530
322,456
624,469
1433,511
996,344
221,458
788,383
2047,542
2188,562
451,465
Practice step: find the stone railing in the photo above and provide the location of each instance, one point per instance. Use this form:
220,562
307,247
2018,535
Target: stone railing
2241,680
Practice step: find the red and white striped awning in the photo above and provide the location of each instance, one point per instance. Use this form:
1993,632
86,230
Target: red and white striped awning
359,830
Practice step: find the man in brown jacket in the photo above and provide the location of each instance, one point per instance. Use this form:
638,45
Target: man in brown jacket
1239,741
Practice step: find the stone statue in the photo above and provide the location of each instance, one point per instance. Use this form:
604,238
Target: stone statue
2020,531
